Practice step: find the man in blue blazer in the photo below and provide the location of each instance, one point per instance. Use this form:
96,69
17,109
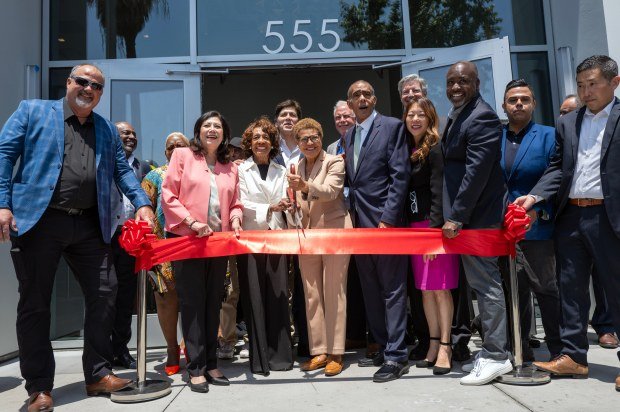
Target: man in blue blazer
584,181
527,149
377,165
58,204
475,198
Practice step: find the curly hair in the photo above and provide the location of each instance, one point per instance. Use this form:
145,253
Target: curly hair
222,153
266,126
307,123
431,138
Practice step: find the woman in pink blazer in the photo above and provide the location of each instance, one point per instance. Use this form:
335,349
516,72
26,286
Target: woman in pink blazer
199,197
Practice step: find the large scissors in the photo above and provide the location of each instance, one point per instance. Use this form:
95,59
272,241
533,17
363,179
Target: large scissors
296,212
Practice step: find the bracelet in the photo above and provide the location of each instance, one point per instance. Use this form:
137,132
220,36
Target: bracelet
191,224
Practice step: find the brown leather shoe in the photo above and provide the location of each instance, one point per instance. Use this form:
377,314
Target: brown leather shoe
334,365
372,349
317,362
107,384
607,341
563,365
42,402
618,383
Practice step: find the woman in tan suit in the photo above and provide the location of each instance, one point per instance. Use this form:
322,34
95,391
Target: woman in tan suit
319,186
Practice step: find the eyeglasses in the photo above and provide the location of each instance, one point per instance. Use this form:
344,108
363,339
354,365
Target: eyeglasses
314,139
85,83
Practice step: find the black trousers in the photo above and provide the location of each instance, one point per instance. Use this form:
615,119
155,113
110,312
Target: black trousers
384,285
298,308
356,313
35,256
583,238
124,265
264,296
601,318
200,287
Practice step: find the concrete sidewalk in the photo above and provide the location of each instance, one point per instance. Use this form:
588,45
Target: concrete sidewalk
352,390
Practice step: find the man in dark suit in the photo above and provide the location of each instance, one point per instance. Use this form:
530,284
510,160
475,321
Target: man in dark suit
584,178
377,165
527,149
474,198
58,204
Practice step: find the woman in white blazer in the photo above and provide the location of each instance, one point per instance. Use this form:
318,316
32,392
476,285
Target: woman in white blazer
263,278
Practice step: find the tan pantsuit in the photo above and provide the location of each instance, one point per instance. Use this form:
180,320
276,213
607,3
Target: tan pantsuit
325,276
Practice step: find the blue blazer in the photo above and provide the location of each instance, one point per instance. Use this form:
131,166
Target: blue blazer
35,136
378,187
533,157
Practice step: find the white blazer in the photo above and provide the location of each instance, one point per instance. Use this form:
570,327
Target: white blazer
257,195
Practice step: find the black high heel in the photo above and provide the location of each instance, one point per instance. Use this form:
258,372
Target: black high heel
440,370
424,363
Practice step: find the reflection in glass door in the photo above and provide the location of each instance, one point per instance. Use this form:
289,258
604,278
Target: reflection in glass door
492,57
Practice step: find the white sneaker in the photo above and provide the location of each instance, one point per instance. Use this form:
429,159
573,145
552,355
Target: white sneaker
244,353
485,370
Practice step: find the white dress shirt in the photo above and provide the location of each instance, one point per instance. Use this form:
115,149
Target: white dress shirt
365,125
290,156
587,177
128,211
257,195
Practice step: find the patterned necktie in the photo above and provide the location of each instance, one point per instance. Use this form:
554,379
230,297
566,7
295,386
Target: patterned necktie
357,145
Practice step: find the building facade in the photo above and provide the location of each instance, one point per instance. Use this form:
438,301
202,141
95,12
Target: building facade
167,61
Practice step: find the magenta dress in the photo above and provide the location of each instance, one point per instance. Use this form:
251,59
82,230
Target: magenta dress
438,274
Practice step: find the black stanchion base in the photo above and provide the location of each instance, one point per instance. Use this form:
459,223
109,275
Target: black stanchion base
148,391
525,376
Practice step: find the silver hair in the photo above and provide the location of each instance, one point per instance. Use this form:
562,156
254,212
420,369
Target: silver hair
338,104
75,68
410,78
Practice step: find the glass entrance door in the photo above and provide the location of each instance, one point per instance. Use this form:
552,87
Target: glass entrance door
492,57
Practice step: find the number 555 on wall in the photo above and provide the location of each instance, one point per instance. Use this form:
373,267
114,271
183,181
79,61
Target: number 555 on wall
298,32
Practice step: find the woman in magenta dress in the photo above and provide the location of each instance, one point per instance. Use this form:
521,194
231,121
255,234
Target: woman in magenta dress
434,275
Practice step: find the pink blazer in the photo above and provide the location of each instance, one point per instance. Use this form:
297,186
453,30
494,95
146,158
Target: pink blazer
186,189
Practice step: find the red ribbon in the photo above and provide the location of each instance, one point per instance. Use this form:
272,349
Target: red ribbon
137,241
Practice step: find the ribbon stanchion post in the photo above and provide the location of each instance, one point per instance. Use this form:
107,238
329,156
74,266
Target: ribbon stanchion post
520,375
145,389
516,218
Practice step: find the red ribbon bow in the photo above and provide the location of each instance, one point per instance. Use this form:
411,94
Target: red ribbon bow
135,237
514,223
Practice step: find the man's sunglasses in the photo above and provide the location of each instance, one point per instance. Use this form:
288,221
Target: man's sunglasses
85,83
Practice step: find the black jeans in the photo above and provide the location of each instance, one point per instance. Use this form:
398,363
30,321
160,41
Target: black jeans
200,287
35,256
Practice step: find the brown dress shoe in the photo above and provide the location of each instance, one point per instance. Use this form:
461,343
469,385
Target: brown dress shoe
334,365
607,341
563,365
107,384
317,362
42,402
618,383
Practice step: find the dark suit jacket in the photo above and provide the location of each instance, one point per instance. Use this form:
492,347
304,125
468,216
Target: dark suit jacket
379,185
556,182
474,191
533,157
426,187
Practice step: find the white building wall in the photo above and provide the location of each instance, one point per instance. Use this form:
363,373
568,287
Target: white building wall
20,42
